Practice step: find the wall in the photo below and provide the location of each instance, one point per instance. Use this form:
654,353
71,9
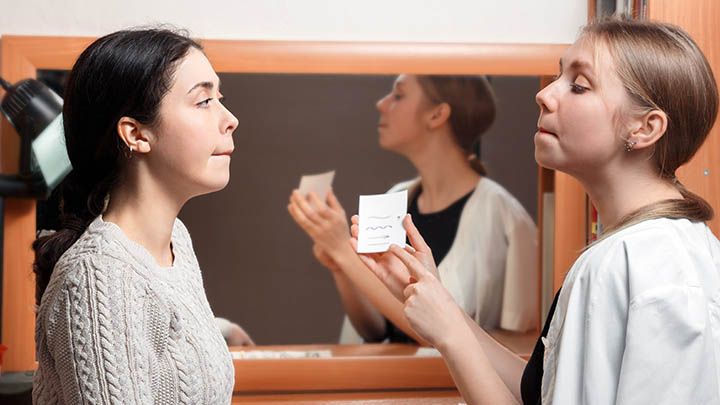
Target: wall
545,21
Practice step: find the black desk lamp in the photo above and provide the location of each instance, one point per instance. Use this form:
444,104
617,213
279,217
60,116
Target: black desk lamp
36,113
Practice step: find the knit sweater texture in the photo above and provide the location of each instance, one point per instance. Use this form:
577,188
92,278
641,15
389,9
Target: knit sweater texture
114,328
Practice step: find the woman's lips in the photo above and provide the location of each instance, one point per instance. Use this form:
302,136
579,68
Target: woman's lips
542,130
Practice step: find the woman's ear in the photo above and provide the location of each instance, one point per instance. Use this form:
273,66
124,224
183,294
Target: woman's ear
438,115
648,129
134,135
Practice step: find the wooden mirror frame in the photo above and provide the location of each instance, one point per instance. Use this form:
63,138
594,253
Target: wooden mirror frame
22,56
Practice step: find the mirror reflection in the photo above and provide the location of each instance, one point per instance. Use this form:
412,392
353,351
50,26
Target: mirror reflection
258,265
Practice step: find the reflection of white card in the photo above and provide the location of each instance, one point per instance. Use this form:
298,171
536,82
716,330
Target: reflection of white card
380,221
317,183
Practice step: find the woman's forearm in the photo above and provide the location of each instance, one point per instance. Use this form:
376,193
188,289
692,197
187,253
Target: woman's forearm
508,366
476,376
366,320
372,290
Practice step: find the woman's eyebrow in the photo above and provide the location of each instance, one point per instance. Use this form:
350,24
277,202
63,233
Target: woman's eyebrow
206,85
582,65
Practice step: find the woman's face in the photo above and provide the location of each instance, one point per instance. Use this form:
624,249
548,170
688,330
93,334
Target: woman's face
577,128
193,139
401,113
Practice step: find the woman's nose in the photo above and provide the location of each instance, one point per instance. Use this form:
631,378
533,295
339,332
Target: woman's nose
230,122
545,98
381,104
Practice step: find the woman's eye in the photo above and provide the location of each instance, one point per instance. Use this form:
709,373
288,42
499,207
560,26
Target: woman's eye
204,103
576,88
397,96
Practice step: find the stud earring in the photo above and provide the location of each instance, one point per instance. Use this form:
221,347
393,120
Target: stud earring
629,145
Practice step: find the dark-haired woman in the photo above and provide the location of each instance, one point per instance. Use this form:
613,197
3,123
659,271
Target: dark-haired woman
481,236
123,316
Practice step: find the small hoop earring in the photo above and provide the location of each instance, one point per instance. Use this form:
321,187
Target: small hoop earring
630,145
128,152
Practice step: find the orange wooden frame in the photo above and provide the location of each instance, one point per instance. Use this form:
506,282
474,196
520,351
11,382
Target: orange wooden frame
22,56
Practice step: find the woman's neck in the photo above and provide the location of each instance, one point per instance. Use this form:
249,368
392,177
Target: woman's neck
445,175
624,192
146,214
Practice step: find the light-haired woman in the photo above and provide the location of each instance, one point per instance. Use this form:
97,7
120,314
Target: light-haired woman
637,320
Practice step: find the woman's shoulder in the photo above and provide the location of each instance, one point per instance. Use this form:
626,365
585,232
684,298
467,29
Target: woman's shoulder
497,203
404,185
659,253
97,245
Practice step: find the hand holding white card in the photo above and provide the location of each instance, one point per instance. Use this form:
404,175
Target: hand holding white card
380,221
318,183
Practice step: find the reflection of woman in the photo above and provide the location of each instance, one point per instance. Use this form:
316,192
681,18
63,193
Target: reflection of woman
638,317
123,316
483,239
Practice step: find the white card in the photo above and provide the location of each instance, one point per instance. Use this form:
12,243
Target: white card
380,222
318,183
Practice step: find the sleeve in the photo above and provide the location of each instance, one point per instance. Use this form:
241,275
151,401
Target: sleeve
635,332
668,357
87,340
585,341
225,327
520,289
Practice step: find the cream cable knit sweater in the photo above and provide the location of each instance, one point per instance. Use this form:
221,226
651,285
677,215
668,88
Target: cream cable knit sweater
113,328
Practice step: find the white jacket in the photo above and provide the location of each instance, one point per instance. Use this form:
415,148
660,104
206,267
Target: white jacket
638,320
491,268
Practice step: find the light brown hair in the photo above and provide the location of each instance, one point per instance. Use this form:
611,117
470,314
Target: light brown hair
472,108
662,68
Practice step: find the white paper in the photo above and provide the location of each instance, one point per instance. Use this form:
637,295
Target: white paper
317,183
380,221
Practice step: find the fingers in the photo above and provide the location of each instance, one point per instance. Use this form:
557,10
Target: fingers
413,265
355,219
416,240
354,229
411,289
298,216
302,204
318,205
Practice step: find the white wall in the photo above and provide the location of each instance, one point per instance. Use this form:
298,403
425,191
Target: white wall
530,21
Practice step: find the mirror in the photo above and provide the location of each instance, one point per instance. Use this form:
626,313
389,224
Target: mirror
257,264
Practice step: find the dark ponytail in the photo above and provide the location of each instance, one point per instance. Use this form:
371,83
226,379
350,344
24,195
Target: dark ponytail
124,74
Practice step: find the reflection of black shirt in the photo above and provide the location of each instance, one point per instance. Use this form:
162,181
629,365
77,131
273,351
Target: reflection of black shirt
531,382
439,230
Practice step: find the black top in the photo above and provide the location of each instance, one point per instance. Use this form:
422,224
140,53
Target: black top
531,382
439,230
